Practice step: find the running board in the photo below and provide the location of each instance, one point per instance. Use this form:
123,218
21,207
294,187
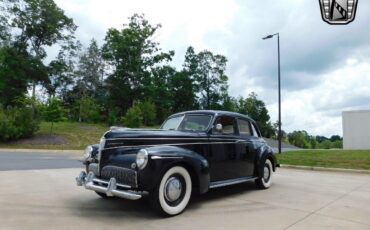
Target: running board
223,183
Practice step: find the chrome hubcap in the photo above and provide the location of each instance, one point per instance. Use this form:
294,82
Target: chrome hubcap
172,189
266,173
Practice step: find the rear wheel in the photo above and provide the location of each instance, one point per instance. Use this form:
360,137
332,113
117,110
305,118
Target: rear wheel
265,181
173,193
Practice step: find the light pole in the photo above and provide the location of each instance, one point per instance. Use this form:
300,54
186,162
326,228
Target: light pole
278,45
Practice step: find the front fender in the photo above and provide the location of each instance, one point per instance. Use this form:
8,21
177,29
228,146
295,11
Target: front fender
161,158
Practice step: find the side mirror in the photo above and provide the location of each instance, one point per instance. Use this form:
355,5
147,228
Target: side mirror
219,128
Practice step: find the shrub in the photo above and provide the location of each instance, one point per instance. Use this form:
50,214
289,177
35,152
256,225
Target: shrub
113,118
148,112
89,110
53,112
133,117
17,123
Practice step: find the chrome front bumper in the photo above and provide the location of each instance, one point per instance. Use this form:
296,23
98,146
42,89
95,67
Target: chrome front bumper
110,188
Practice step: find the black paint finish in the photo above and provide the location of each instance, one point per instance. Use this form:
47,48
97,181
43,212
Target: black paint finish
209,156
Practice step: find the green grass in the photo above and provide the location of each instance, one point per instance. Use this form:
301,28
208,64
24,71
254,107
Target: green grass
76,135
348,159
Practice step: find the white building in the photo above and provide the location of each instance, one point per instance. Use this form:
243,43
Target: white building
356,129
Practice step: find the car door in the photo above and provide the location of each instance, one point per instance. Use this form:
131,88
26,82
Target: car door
256,139
223,154
246,147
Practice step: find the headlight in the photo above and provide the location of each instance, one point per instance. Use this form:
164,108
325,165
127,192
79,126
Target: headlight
88,152
142,158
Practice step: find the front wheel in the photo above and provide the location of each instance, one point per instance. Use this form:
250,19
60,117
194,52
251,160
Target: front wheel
173,193
265,181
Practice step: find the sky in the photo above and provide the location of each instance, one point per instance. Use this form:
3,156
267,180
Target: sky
325,69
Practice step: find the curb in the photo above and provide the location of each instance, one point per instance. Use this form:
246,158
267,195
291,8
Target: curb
41,150
312,168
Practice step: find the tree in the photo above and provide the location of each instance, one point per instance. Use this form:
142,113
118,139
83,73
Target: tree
335,138
208,73
299,139
182,92
131,54
89,109
41,23
148,112
62,72
256,109
133,117
16,69
53,112
90,72
159,91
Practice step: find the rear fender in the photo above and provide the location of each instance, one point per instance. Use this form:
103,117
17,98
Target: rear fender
264,153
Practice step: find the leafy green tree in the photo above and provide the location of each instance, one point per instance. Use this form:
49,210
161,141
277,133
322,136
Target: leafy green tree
229,103
335,138
90,72
299,139
338,144
182,92
89,110
62,72
16,66
53,112
159,91
133,117
113,116
4,24
256,109
131,53
148,112
208,72
17,123
41,24
324,145
320,139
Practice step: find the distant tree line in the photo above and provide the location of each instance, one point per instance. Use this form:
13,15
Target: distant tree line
303,140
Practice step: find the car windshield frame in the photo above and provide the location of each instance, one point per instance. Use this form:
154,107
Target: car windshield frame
183,116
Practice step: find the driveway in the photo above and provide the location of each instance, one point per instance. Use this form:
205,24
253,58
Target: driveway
298,199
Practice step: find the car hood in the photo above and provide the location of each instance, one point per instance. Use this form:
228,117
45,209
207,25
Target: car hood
123,133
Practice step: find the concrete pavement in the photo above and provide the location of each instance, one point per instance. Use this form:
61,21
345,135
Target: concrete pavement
37,159
298,199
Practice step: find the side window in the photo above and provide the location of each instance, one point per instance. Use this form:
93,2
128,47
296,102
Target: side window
254,129
244,128
228,125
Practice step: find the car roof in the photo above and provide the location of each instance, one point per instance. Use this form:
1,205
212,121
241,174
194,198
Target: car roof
214,112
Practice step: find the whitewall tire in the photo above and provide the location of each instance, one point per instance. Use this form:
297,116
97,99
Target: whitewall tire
173,193
264,182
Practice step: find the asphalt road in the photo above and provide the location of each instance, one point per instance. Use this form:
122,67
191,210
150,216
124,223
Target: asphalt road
298,199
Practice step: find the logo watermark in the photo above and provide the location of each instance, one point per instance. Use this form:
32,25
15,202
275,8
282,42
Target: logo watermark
338,12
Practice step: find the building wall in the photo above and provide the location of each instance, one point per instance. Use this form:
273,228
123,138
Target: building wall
356,129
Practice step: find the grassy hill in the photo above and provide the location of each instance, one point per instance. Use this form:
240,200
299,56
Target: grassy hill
65,135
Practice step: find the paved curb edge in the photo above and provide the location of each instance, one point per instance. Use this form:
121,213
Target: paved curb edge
326,169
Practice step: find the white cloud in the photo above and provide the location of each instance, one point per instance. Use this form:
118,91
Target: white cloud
318,109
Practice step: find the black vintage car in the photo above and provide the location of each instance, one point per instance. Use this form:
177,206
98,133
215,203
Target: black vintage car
192,152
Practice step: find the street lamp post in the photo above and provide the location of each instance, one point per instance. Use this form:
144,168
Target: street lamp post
278,46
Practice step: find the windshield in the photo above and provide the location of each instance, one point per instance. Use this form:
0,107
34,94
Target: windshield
189,122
